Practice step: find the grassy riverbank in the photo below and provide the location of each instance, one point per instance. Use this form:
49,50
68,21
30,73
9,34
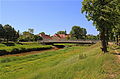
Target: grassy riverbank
78,62
17,48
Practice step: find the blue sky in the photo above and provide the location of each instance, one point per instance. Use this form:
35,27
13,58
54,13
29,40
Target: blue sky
47,16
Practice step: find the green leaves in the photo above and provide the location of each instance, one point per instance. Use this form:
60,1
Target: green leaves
105,15
1,31
7,32
78,32
61,32
105,12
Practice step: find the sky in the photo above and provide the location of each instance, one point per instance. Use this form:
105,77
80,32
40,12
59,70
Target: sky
47,16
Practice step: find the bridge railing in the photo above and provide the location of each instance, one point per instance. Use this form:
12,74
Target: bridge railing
69,41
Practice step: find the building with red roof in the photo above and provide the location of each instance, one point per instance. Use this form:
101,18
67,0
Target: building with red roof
45,37
61,36
55,37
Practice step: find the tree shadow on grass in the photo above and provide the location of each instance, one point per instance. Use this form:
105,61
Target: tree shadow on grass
114,53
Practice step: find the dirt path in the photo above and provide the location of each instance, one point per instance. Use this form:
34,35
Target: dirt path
110,43
31,52
118,54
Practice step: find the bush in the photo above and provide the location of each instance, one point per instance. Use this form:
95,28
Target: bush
9,44
2,45
23,49
3,52
15,50
30,43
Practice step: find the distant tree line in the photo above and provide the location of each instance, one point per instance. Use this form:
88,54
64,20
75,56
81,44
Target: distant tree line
62,32
8,33
92,37
29,36
78,33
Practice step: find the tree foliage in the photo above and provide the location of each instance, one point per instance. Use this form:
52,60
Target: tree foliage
31,30
92,37
61,32
105,15
29,36
36,38
2,31
42,33
78,32
8,33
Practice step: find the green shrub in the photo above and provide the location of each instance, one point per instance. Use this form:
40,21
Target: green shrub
15,50
2,45
9,44
2,52
29,43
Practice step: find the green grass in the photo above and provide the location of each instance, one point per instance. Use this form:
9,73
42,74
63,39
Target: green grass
114,47
22,48
78,62
2,45
29,43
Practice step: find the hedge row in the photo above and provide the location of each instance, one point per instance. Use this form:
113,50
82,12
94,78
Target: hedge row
29,43
22,48
2,45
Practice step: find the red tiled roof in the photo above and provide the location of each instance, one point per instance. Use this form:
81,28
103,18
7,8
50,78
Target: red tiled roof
55,36
61,35
45,36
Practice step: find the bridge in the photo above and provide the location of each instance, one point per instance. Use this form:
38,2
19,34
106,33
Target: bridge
52,42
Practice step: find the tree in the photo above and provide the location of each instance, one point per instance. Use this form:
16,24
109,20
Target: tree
105,16
15,35
42,33
10,33
26,36
92,37
2,31
116,32
84,31
31,30
65,32
61,32
78,32
37,38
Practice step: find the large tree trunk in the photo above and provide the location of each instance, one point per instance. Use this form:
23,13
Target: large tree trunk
111,37
107,36
103,41
7,41
117,40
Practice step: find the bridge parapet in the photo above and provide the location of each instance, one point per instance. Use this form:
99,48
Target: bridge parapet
69,41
